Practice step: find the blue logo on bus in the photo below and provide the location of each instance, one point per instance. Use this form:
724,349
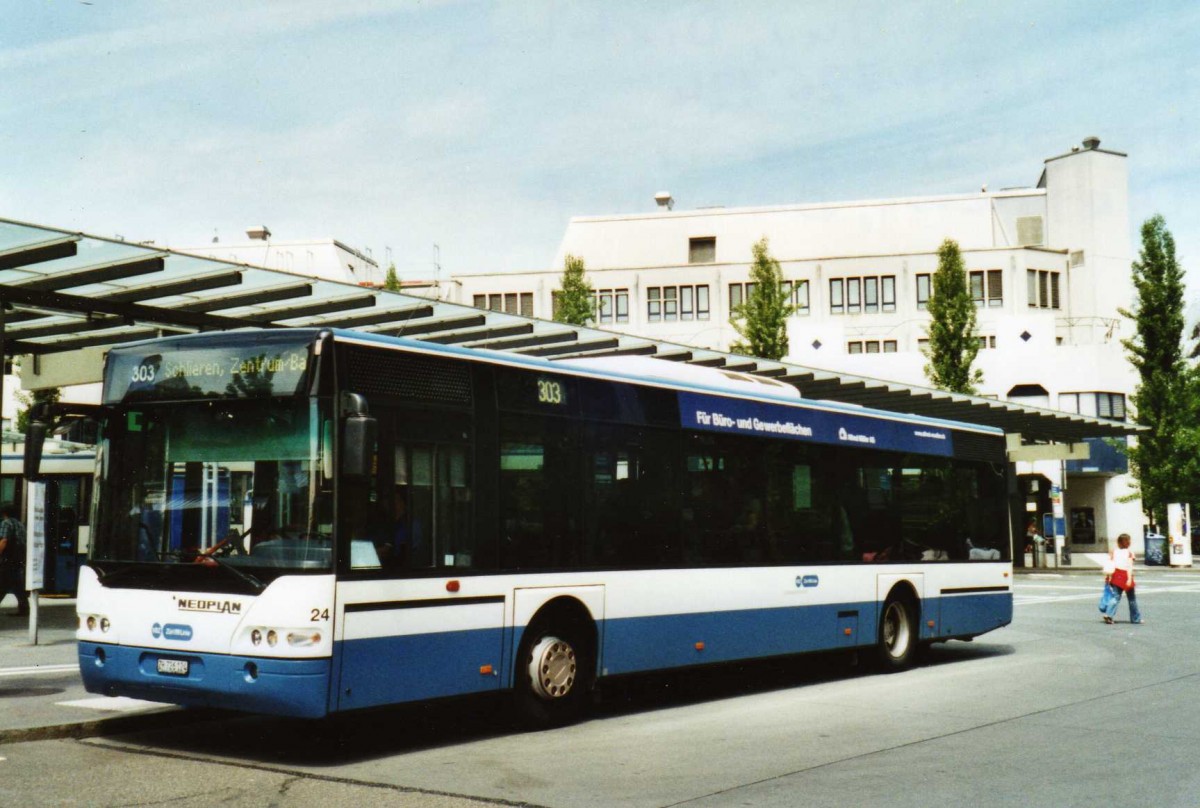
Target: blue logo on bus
807,581
156,629
173,631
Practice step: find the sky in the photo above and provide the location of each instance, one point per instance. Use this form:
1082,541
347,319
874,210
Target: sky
482,128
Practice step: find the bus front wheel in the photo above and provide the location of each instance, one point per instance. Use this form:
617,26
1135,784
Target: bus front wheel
898,633
554,674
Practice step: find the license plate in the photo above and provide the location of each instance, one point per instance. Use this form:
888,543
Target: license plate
173,667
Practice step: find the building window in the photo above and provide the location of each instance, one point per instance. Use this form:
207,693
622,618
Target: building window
853,295
673,303
800,297
702,250
508,302
739,293
869,295
923,291
871,346
987,342
987,287
1104,405
1042,288
795,292
612,305
1111,405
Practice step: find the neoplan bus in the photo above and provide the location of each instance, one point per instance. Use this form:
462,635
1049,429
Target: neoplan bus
303,522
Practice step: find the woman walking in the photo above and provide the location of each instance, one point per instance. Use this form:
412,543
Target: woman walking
1118,578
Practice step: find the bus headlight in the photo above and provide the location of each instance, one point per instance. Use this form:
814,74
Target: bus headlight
272,637
91,622
105,624
256,637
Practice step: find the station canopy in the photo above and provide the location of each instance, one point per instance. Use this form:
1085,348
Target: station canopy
64,291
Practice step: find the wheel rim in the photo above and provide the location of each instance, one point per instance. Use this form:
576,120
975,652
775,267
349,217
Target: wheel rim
552,668
896,631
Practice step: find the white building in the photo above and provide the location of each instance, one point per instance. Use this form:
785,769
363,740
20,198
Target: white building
1049,267
316,258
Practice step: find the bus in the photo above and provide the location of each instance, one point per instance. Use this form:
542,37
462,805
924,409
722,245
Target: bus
67,468
311,521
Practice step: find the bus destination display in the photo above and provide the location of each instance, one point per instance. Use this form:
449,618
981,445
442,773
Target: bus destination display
244,371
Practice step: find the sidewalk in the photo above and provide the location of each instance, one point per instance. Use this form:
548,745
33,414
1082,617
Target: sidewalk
41,694
1093,563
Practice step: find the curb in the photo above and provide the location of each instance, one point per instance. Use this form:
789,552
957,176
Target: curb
169,716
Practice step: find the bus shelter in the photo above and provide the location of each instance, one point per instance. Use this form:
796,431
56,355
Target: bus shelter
67,297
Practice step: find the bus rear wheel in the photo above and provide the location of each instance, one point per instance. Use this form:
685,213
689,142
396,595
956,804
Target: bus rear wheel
554,674
898,633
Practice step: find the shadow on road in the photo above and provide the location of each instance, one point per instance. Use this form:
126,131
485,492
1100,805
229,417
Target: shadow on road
379,733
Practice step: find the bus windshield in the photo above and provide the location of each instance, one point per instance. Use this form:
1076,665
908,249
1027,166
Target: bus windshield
240,483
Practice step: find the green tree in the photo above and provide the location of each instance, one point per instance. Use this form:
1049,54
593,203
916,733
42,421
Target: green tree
577,300
391,283
953,342
1164,460
49,395
762,319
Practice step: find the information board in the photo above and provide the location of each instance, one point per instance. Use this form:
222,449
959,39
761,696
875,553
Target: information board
35,537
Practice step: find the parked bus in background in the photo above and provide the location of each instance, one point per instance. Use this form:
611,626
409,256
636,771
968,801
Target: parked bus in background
67,469
304,522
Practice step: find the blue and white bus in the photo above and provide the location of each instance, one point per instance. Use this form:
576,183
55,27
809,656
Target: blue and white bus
304,522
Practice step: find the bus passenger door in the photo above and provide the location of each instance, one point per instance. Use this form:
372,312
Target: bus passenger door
411,628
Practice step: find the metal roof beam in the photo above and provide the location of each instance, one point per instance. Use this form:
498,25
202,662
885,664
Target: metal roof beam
592,352
594,348
98,273
77,304
312,309
43,348
49,250
485,337
187,286
433,326
251,298
375,318
531,341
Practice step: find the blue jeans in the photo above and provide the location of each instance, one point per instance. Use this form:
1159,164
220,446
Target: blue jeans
1114,600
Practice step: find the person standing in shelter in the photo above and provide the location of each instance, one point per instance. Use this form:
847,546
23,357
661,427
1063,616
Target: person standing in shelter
12,559
1118,578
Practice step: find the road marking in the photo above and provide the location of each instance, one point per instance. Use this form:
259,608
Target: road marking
116,704
30,670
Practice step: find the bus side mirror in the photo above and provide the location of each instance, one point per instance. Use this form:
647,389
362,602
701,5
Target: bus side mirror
35,441
358,445
358,437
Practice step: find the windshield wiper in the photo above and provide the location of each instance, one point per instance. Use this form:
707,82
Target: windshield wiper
245,576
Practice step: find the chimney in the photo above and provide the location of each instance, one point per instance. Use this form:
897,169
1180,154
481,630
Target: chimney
260,233
1091,142
664,200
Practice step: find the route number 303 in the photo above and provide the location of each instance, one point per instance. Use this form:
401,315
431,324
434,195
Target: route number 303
550,392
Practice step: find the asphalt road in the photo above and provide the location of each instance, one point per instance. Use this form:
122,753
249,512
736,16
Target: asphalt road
1057,709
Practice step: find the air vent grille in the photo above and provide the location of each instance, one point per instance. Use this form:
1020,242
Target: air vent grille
412,377
1030,232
